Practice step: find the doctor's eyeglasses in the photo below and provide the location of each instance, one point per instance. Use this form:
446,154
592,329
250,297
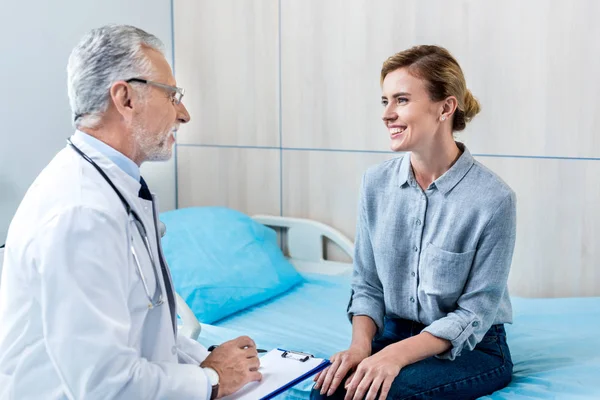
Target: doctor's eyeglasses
176,92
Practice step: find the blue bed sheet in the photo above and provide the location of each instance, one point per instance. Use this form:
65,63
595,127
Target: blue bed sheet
555,343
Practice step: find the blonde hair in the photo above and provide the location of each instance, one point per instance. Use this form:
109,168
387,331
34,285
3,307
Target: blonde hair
443,75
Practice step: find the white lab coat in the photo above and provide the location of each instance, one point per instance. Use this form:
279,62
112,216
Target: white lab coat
74,320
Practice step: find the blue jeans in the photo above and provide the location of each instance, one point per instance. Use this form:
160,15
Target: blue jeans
471,375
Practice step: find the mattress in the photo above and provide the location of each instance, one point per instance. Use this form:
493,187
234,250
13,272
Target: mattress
555,343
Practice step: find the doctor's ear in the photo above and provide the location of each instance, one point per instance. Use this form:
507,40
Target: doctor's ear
123,98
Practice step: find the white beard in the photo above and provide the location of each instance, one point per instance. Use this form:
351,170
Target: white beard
154,148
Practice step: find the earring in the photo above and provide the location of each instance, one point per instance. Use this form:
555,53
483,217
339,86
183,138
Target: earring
443,117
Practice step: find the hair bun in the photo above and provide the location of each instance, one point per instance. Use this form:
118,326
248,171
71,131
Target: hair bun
471,107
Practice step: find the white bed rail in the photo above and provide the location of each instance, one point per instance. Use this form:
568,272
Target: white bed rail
306,246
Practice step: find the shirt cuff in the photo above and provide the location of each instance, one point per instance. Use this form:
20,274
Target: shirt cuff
208,385
458,335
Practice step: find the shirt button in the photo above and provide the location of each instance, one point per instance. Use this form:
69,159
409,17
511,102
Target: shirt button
412,299
412,274
415,248
418,222
475,324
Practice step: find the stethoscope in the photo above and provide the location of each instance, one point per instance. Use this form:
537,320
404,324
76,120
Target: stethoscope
157,299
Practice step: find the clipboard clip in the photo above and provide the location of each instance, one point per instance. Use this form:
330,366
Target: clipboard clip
296,355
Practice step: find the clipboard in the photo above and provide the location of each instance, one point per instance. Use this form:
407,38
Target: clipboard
281,369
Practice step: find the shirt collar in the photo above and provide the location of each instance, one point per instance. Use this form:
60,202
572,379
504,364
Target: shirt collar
448,180
119,159
405,174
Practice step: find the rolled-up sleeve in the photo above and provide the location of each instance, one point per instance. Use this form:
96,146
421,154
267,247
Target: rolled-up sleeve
367,291
486,284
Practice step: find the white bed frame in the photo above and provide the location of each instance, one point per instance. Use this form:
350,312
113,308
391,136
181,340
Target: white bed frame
305,245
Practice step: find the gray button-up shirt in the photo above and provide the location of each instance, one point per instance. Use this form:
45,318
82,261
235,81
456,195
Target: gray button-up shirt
439,256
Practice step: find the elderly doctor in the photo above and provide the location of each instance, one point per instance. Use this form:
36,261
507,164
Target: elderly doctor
86,302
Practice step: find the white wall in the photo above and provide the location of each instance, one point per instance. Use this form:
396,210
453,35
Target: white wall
36,39
288,113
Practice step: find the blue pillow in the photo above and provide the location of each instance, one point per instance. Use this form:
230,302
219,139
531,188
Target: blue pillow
222,261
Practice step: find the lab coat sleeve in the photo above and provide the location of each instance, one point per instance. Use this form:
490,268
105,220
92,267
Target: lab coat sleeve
190,351
82,258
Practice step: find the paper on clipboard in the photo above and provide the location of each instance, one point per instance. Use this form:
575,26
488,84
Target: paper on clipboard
278,374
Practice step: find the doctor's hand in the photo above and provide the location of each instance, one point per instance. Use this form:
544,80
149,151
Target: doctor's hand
237,364
374,375
342,363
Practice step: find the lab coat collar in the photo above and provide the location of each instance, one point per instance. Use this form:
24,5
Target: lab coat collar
112,170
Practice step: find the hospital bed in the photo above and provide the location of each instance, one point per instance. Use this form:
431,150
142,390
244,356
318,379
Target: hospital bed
555,343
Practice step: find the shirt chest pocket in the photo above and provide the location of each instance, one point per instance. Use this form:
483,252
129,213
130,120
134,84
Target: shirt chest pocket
443,274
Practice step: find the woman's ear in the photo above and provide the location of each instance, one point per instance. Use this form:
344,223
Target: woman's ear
448,108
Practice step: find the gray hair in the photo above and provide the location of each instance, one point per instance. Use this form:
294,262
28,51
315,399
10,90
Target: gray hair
102,57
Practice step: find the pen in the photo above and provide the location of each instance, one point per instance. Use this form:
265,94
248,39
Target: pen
214,346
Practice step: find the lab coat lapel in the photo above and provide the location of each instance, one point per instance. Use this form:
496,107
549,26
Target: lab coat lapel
146,209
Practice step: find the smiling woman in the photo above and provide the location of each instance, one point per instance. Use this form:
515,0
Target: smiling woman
443,78
421,89
434,245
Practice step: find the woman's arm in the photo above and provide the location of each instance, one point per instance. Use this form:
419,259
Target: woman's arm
366,307
376,373
417,348
367,290
482,296
363,332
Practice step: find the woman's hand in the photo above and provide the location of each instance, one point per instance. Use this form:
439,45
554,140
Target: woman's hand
374,374
342,363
